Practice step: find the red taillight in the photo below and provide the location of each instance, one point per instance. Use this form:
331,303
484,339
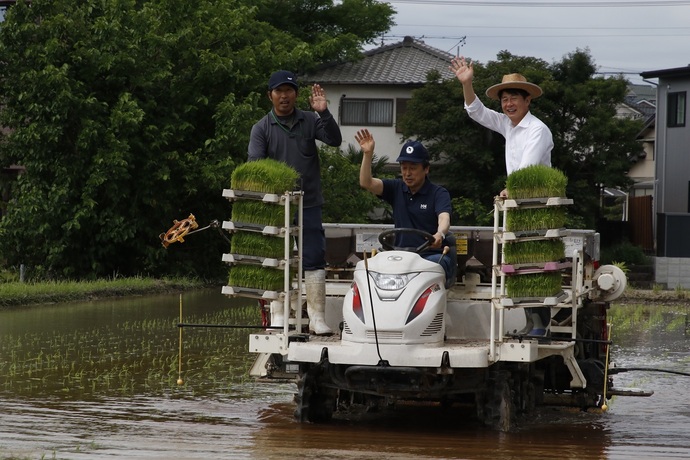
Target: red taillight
595,264
357,303
419,305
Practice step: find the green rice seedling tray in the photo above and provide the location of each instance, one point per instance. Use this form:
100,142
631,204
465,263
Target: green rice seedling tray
265,176
541,284
536,181
534,251
255,277
535,219
258,212
257,245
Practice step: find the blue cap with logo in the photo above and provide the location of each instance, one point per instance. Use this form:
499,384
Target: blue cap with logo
414,152
282,77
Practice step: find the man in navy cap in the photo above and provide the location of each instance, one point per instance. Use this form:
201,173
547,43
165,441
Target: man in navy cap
417,202
289,135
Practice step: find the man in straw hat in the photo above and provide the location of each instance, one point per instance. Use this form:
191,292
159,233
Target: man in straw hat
528,139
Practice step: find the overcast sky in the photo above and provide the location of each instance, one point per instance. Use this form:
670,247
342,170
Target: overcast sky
622,36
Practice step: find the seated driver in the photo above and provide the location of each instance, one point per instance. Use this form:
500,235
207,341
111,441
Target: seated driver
417,202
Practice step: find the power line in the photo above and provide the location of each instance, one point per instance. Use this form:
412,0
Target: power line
437,26
550,4
437,37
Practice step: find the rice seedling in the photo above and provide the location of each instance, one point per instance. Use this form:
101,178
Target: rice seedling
255,244
535,219
265,176
256,277
536,181
633,319
534,285
257,212
681,293
121,359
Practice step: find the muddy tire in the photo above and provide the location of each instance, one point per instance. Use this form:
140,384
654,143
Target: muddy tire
528,389
315,402
497,408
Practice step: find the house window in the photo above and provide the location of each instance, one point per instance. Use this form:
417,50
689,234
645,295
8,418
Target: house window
366,112
676,109
400,109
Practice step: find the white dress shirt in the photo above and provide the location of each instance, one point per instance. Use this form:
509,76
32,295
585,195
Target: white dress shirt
528,143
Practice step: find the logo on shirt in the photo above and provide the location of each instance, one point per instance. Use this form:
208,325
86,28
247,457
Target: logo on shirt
422,206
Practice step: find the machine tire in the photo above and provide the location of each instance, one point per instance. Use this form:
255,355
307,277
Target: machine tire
498,408
529,389
315,402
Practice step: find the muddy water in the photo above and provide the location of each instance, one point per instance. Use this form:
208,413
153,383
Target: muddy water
99,381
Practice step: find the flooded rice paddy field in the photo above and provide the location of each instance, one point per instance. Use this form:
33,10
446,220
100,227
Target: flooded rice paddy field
98,380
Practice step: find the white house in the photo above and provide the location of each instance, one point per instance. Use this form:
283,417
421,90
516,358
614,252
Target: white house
373,92
640,104
672,177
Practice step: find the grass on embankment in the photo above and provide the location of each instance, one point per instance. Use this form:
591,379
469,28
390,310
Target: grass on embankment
13,294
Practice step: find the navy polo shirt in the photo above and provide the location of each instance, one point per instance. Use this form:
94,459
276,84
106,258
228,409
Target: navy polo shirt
418,211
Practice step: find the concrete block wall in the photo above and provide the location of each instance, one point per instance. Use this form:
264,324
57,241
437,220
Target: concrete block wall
672,272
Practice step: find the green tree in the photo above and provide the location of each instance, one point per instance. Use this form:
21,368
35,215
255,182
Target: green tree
346,201
470,154
337,30
591,145
129,114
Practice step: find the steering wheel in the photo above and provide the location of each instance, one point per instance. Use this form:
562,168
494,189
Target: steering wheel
387,239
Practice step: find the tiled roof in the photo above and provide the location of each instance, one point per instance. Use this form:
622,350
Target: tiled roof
637,93
667,73
402,63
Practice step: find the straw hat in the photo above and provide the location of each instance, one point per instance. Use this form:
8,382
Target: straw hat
514,81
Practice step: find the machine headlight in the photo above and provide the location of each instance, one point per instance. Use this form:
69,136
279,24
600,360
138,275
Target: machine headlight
389,282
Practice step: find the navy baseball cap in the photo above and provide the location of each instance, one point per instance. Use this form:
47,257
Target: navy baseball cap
414,152
282,77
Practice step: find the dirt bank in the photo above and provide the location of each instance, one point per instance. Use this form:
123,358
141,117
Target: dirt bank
656,296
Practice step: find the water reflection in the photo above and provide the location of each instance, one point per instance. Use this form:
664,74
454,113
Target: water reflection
98,380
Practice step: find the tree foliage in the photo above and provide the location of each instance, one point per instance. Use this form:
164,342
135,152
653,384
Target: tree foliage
336,30
591,145
129,114
345,200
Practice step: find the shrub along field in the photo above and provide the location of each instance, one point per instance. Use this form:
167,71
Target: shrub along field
14,294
